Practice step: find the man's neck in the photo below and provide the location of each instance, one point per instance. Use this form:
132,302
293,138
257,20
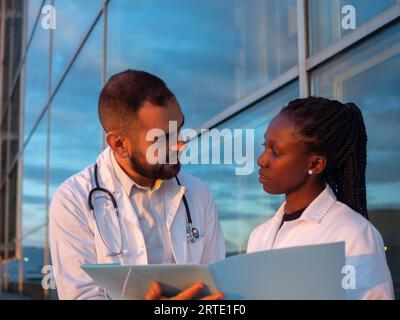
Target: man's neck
136,177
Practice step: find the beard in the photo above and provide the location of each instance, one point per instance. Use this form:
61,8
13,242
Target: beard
153,171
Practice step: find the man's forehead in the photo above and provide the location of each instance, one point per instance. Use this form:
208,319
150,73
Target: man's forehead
154,116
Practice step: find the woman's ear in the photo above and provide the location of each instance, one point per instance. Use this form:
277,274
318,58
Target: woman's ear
318,164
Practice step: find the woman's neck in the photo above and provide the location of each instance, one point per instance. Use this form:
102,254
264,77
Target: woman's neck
302,197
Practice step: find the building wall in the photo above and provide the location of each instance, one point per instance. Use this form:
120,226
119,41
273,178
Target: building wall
11,86
231,63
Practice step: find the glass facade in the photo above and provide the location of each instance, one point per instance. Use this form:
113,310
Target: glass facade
368,75
36,71
67,35
208,70
11,46
232,65
329,20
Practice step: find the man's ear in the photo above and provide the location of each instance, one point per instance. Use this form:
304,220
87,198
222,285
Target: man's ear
118,143
318,164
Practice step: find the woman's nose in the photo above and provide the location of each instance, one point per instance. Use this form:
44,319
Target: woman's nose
262,160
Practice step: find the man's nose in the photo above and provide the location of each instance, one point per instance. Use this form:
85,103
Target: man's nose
179,147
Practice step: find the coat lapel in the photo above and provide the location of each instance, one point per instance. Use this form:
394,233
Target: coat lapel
273,229
172,199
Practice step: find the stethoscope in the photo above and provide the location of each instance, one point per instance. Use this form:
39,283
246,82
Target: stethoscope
191,232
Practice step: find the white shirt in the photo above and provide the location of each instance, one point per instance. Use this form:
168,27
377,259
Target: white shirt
75,239
328,220
153,222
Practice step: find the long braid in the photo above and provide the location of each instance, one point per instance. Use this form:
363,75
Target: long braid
336,131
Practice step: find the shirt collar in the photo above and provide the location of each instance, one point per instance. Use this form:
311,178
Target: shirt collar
317,209
127,182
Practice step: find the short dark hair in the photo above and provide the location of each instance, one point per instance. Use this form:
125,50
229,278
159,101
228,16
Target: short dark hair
124,94
337,131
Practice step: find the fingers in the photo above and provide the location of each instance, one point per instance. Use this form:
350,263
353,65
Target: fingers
189,293
215,296
154,292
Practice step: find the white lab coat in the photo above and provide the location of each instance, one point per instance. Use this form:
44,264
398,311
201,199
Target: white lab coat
75,239
328,220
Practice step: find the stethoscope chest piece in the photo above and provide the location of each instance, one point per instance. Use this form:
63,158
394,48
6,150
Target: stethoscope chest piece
195,233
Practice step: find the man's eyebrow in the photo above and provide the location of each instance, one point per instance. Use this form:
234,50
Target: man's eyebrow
180,127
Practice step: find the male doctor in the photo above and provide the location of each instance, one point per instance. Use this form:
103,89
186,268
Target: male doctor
123,209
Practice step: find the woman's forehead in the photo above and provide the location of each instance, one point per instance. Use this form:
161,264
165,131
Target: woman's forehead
282,130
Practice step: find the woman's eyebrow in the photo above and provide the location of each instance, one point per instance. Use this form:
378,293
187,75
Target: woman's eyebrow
271,141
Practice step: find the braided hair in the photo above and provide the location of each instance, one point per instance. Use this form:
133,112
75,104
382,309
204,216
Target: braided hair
336,131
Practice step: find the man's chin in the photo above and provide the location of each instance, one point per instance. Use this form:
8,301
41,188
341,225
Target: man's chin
169,171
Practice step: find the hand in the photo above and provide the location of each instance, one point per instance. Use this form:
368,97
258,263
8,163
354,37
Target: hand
155,293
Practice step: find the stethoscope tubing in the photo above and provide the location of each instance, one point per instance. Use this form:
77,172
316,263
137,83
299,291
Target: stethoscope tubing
191,232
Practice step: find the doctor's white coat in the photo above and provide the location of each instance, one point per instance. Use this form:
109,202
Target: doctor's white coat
75,239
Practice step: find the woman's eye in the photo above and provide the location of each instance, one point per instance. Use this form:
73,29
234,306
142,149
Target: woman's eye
271,150
274,152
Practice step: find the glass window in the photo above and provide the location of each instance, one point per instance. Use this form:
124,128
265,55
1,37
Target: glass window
75,127
33,208
325,19
36,79
2,219
240,200
1,18
6,65
34,222
12,212
210,53
34,187
33,7
369,76
15,122
74,18
17,31
32,264
3,145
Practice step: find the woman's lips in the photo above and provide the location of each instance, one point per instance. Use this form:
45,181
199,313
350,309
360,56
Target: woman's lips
262,178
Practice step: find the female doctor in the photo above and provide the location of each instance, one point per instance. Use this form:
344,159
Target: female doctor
315,154
123,209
